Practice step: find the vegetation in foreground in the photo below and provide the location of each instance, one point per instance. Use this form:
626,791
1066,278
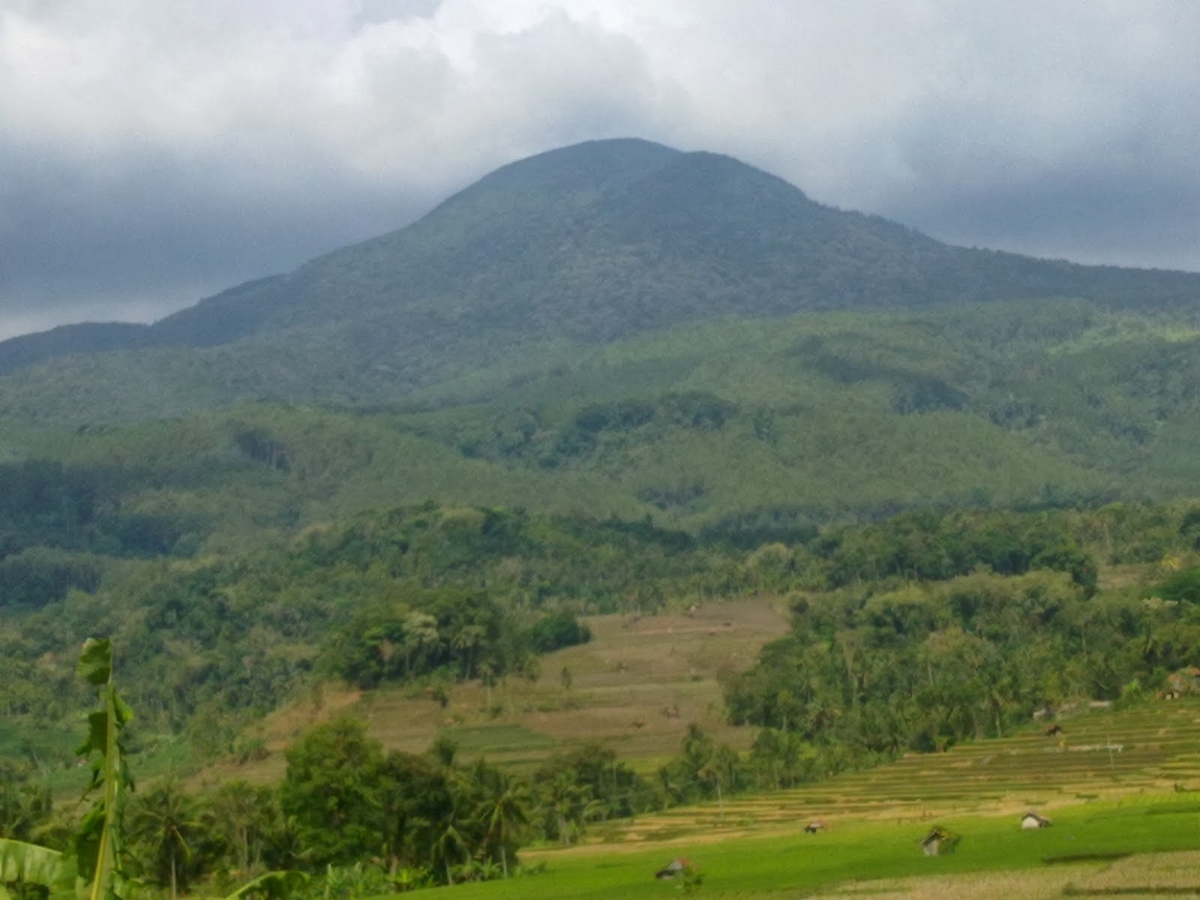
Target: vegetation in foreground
915,633
341,798
367,822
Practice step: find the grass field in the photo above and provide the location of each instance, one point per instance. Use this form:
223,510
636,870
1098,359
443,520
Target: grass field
1134,847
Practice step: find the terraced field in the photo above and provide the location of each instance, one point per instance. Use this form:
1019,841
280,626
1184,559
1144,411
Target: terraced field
635,686
1099,753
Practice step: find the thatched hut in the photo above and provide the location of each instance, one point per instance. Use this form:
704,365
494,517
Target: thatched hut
673,868
939,842
1032,820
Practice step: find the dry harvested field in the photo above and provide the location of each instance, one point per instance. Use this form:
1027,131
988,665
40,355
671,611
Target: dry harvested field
635,686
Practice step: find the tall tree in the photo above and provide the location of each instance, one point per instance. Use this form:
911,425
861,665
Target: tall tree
166,821
333,789
449,846
245,816
504,809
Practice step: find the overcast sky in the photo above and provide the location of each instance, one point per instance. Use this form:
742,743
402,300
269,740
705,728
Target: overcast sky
153,152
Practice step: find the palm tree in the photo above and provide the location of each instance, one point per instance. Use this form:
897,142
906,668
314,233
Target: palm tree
244,816
563,800
504,811
420,631
164,818
449,840
466,640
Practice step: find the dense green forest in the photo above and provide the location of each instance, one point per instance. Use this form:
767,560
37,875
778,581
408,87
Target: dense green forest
431,592
800,422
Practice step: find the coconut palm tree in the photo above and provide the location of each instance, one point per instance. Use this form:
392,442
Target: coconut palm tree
504,810
449,844
164,820
420,632
466,640
562,803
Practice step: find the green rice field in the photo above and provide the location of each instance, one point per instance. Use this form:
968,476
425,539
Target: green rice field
874,857
1122,789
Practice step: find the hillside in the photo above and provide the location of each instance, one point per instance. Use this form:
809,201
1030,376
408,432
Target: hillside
426,597
636,685
619,328
739,423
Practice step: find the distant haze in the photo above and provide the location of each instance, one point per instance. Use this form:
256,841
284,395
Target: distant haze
160,152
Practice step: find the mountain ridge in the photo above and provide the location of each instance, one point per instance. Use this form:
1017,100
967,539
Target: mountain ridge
591,243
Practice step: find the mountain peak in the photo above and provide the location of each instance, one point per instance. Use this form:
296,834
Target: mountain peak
597,241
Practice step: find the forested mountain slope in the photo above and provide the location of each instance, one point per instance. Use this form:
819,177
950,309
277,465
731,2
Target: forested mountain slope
738,423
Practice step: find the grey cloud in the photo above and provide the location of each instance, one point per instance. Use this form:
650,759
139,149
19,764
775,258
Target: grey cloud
1085,217
157,236
170,150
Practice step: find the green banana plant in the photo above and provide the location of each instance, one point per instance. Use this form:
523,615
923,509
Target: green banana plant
98,843
92,869
29,863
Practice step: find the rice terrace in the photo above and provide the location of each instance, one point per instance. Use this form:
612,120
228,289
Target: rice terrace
1122,791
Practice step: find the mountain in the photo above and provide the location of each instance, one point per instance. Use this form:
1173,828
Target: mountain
622,329
588,244
610,377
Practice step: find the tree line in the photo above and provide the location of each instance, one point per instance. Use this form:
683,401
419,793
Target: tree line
439,594
870,671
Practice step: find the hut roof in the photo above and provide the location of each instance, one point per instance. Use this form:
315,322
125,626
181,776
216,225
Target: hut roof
935,834
673,868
